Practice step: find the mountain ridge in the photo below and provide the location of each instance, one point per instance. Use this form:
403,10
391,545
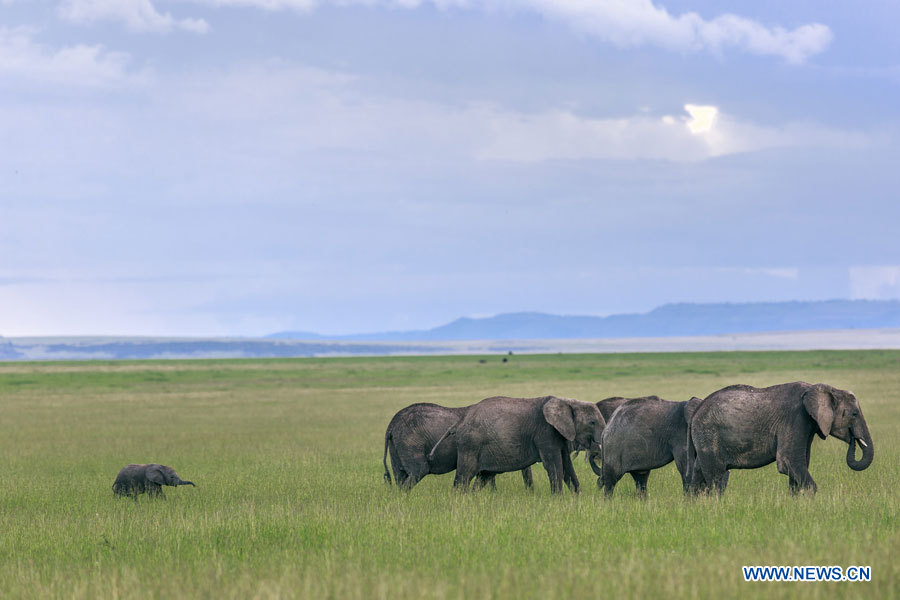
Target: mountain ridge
674,319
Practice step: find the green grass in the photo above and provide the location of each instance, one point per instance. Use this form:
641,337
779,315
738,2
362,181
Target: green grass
290,499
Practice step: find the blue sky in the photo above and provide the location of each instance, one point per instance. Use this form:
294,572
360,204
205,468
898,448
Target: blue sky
239,167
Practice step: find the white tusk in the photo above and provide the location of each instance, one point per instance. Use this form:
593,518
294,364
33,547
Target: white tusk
862,443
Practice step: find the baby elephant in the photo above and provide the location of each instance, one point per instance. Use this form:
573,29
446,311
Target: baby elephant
137,479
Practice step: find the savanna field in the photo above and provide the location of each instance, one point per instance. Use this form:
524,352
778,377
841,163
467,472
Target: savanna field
291,503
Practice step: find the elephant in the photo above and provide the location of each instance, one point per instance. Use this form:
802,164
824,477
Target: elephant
743,427
501,434
609,405
607,408
643,434
411,435
133,480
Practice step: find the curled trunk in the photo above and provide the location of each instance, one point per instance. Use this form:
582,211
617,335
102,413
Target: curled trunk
859,433
592,456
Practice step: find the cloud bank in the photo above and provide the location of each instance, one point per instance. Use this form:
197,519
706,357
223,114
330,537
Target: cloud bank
137,15
702,133
80,65
623,23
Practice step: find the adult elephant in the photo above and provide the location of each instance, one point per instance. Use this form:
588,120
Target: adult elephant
643,434
743,427
502,434
410,436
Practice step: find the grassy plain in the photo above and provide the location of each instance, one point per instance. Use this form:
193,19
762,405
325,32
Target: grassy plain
291,503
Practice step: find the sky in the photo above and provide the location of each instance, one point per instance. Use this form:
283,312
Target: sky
241,167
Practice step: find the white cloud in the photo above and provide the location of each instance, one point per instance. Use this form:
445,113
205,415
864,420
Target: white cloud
706,133
875,282
269,114
137,15
627,23
624,23
702,117
79,65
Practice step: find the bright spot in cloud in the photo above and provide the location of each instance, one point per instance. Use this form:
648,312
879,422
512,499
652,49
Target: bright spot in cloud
702,117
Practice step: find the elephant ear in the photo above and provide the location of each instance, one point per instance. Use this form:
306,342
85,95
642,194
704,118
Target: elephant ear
155,475
817,402
558,413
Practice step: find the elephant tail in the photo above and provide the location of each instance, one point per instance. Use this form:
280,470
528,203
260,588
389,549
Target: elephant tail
690,408
387,474
691,458
451,431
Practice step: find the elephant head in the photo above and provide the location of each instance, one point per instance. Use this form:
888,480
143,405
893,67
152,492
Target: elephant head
579,422
836,412
164,475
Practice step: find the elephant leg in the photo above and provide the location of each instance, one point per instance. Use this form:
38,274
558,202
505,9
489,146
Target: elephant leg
810,483
640,482
569,476
792,462
411,480
608,479
552,460
721,482
400,473
681,465
697,483
808,447
416,470
466,469
713,472
484,479
526,477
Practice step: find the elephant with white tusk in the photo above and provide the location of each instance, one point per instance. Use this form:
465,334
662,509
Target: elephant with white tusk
743,427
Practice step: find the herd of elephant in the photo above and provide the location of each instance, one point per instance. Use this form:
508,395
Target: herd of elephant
737,427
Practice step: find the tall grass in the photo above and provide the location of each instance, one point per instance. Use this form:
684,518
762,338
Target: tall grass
291,503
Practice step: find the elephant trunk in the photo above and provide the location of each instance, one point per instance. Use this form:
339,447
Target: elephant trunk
183,482
859,433
592,456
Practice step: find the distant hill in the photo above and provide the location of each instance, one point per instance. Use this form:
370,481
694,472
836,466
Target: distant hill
668,320
837,324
